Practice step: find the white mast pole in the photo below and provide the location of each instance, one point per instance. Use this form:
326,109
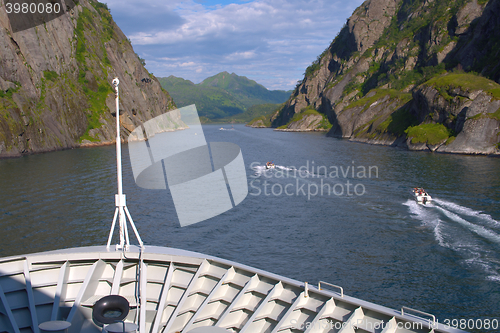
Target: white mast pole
120,198
121,211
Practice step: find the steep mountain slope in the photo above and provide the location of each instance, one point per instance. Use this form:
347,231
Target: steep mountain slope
211,102
245,90
222,95
403,72
255,111
55,82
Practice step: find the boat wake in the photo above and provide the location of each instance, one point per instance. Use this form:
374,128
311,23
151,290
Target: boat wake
286,172
474,235
467,211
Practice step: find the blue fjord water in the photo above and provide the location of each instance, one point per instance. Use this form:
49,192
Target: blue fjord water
332,210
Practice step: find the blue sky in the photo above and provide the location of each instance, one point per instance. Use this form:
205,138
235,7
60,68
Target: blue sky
221,3
269,41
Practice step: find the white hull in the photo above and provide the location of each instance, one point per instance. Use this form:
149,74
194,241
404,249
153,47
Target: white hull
421,199
177,291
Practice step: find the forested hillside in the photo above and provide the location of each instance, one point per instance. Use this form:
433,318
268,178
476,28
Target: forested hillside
223,97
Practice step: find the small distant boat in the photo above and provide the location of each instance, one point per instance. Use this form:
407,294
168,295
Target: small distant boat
421,196
226,129
270,165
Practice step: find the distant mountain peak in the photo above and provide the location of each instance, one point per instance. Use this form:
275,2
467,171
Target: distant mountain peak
221,95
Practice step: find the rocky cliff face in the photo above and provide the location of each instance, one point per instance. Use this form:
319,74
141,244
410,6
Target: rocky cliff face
399,66
55,82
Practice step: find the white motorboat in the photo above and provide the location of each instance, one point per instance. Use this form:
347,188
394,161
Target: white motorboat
270,165
421,196
169,290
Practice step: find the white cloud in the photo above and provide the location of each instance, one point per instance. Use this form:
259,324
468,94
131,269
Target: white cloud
270,41
240,55
187,64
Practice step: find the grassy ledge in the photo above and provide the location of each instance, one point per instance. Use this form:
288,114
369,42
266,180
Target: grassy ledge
323,124
467,82
378,94
432,134
89,53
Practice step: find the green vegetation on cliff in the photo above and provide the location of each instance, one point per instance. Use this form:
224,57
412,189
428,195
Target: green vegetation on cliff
93,62
464,81
402,56
262,121
7,103
415,61
320,121
310,111
432,134
377,94
255,111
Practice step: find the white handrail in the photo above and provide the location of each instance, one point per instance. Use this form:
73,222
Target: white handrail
331,285
420,312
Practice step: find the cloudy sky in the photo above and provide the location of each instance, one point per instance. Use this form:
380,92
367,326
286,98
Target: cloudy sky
269,41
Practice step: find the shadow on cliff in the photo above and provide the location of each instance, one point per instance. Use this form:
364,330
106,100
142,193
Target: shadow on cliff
343,47
328,109
479,45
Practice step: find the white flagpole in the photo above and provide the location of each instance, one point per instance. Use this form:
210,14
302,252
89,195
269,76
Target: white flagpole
121,211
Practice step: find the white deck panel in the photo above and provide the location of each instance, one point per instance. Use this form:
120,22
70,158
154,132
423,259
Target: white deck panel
177,290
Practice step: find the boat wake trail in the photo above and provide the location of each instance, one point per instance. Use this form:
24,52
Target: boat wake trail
286,172
467,211
429,219
474,235
478,229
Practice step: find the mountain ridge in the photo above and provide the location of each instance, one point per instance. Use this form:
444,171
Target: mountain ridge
221,96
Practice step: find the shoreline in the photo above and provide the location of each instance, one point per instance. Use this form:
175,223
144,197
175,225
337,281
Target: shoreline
43,151
398,143
301,130
393,145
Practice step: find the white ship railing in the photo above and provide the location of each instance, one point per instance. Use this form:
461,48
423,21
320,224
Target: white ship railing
419,312
331,285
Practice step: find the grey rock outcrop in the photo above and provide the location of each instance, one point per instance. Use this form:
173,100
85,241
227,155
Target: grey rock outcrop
259,123
476,137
